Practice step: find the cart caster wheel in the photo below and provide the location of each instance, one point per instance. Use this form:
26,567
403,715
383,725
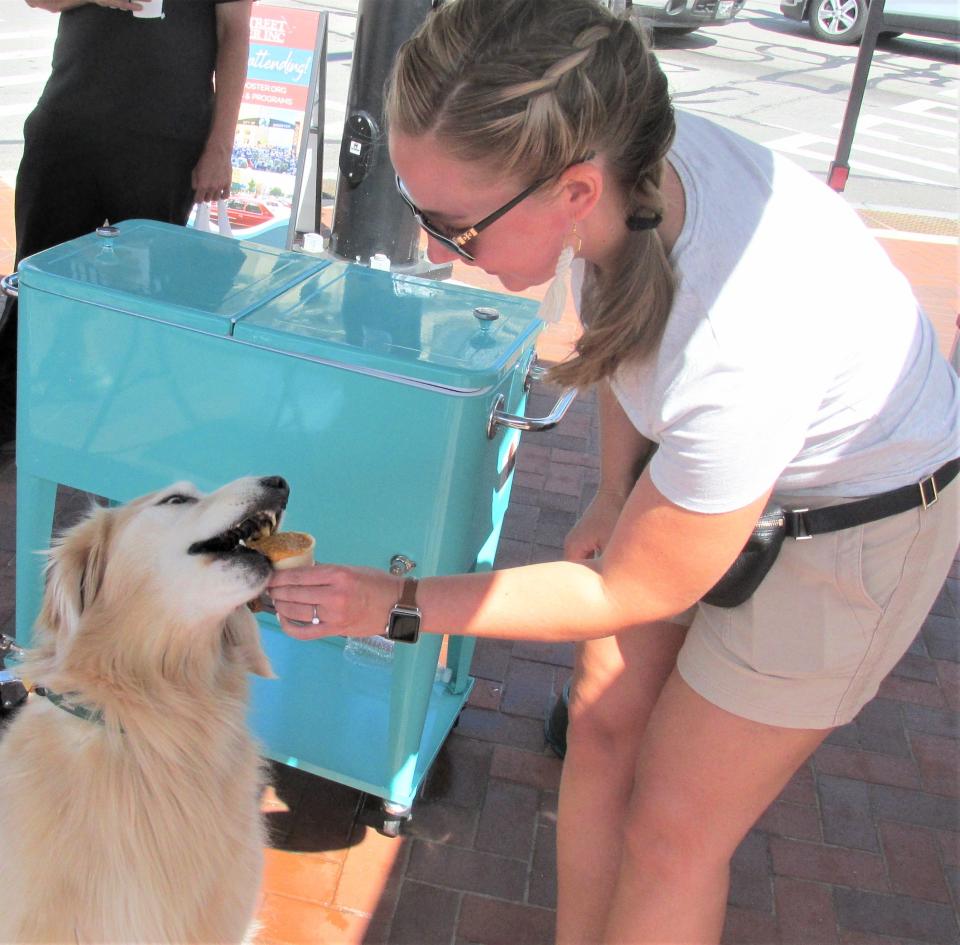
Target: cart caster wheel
391,827
394,817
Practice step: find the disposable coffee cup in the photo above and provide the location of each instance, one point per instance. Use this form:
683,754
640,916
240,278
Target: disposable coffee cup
152,9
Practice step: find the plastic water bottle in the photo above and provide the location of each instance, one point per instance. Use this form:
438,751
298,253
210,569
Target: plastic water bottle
369,651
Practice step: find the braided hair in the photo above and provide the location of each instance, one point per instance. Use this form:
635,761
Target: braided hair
531,87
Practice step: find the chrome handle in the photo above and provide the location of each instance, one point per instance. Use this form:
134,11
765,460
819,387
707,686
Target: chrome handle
498,417
11,285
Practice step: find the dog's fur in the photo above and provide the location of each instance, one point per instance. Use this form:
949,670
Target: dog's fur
145,827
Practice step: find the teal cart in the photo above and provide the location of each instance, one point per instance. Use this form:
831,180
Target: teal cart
393,406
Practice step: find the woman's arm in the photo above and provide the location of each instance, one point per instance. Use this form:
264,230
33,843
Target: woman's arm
624,451
623,454
660,560
213,174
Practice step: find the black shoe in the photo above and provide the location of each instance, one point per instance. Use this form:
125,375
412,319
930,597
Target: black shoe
555,726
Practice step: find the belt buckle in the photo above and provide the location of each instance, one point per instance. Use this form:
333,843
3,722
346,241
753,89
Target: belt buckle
799,525
924,501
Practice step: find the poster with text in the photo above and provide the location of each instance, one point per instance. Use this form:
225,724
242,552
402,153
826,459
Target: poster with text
272,121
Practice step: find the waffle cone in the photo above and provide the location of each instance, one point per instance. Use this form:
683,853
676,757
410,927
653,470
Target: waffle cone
286,549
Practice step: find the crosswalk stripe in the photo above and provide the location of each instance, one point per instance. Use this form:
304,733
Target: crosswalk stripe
20,108
866,121
920,162
45,51
29,34
7,81
926,108
798,145
898,139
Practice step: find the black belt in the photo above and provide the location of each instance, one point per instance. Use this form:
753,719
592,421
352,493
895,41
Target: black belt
804,523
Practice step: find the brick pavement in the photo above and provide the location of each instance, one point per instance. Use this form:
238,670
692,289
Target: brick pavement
861,847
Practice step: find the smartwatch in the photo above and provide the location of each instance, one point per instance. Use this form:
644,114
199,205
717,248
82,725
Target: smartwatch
403,624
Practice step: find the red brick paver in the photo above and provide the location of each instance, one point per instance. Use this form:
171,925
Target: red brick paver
861,847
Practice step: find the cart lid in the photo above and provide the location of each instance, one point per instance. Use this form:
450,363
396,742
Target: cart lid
170,273
397,326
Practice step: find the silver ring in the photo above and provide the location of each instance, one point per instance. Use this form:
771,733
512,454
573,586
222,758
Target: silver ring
314,621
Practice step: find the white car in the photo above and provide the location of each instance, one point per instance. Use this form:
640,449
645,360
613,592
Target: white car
842,21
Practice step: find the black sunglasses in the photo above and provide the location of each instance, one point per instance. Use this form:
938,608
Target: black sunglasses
456,243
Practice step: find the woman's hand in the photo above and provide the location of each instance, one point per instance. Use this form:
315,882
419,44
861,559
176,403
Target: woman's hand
213,175
589,537
350,602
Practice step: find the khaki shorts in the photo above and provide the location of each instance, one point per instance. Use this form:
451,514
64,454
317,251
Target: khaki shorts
830,620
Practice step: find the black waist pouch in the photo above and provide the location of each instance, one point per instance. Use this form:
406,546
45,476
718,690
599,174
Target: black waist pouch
753,563
777,523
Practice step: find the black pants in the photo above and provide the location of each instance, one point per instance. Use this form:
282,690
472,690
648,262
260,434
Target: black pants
70,180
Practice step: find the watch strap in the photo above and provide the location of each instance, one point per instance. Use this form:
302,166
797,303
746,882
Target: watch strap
408,596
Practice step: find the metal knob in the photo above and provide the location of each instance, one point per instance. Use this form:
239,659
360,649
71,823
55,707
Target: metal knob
107,229
401,564
485,315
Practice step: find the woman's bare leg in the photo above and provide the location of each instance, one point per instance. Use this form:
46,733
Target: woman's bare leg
703,777
616,684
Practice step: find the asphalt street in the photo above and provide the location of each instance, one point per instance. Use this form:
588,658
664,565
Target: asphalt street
763,75
766,77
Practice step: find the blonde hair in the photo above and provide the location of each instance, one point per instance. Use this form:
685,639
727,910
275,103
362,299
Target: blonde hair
531,87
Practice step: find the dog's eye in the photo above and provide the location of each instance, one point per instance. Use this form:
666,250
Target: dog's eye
176,499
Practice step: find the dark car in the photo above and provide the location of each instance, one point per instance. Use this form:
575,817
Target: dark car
684,16
842,21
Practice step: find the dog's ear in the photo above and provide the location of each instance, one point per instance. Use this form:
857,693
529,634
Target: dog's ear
242,634
76,564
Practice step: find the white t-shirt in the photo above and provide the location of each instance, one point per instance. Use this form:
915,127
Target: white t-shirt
795,352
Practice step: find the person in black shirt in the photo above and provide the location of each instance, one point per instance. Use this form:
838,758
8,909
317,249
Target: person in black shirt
129,125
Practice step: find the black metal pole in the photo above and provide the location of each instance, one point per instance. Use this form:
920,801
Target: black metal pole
368,215
840,168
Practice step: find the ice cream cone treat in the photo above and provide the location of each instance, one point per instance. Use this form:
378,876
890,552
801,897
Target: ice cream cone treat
285,549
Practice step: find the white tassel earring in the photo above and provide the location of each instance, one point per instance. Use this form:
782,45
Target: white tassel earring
555,300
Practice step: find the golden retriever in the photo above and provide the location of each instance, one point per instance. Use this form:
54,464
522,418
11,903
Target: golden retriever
129,784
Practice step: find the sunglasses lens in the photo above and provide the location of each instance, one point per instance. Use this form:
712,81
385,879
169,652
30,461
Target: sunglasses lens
427,227
443,239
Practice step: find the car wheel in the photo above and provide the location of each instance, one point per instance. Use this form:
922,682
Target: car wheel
838,21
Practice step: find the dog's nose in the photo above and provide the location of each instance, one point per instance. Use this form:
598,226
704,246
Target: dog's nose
276,482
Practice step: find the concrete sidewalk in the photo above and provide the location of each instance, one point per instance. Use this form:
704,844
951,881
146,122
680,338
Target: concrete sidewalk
861,848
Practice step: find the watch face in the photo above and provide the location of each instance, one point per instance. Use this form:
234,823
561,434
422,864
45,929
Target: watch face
405,628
